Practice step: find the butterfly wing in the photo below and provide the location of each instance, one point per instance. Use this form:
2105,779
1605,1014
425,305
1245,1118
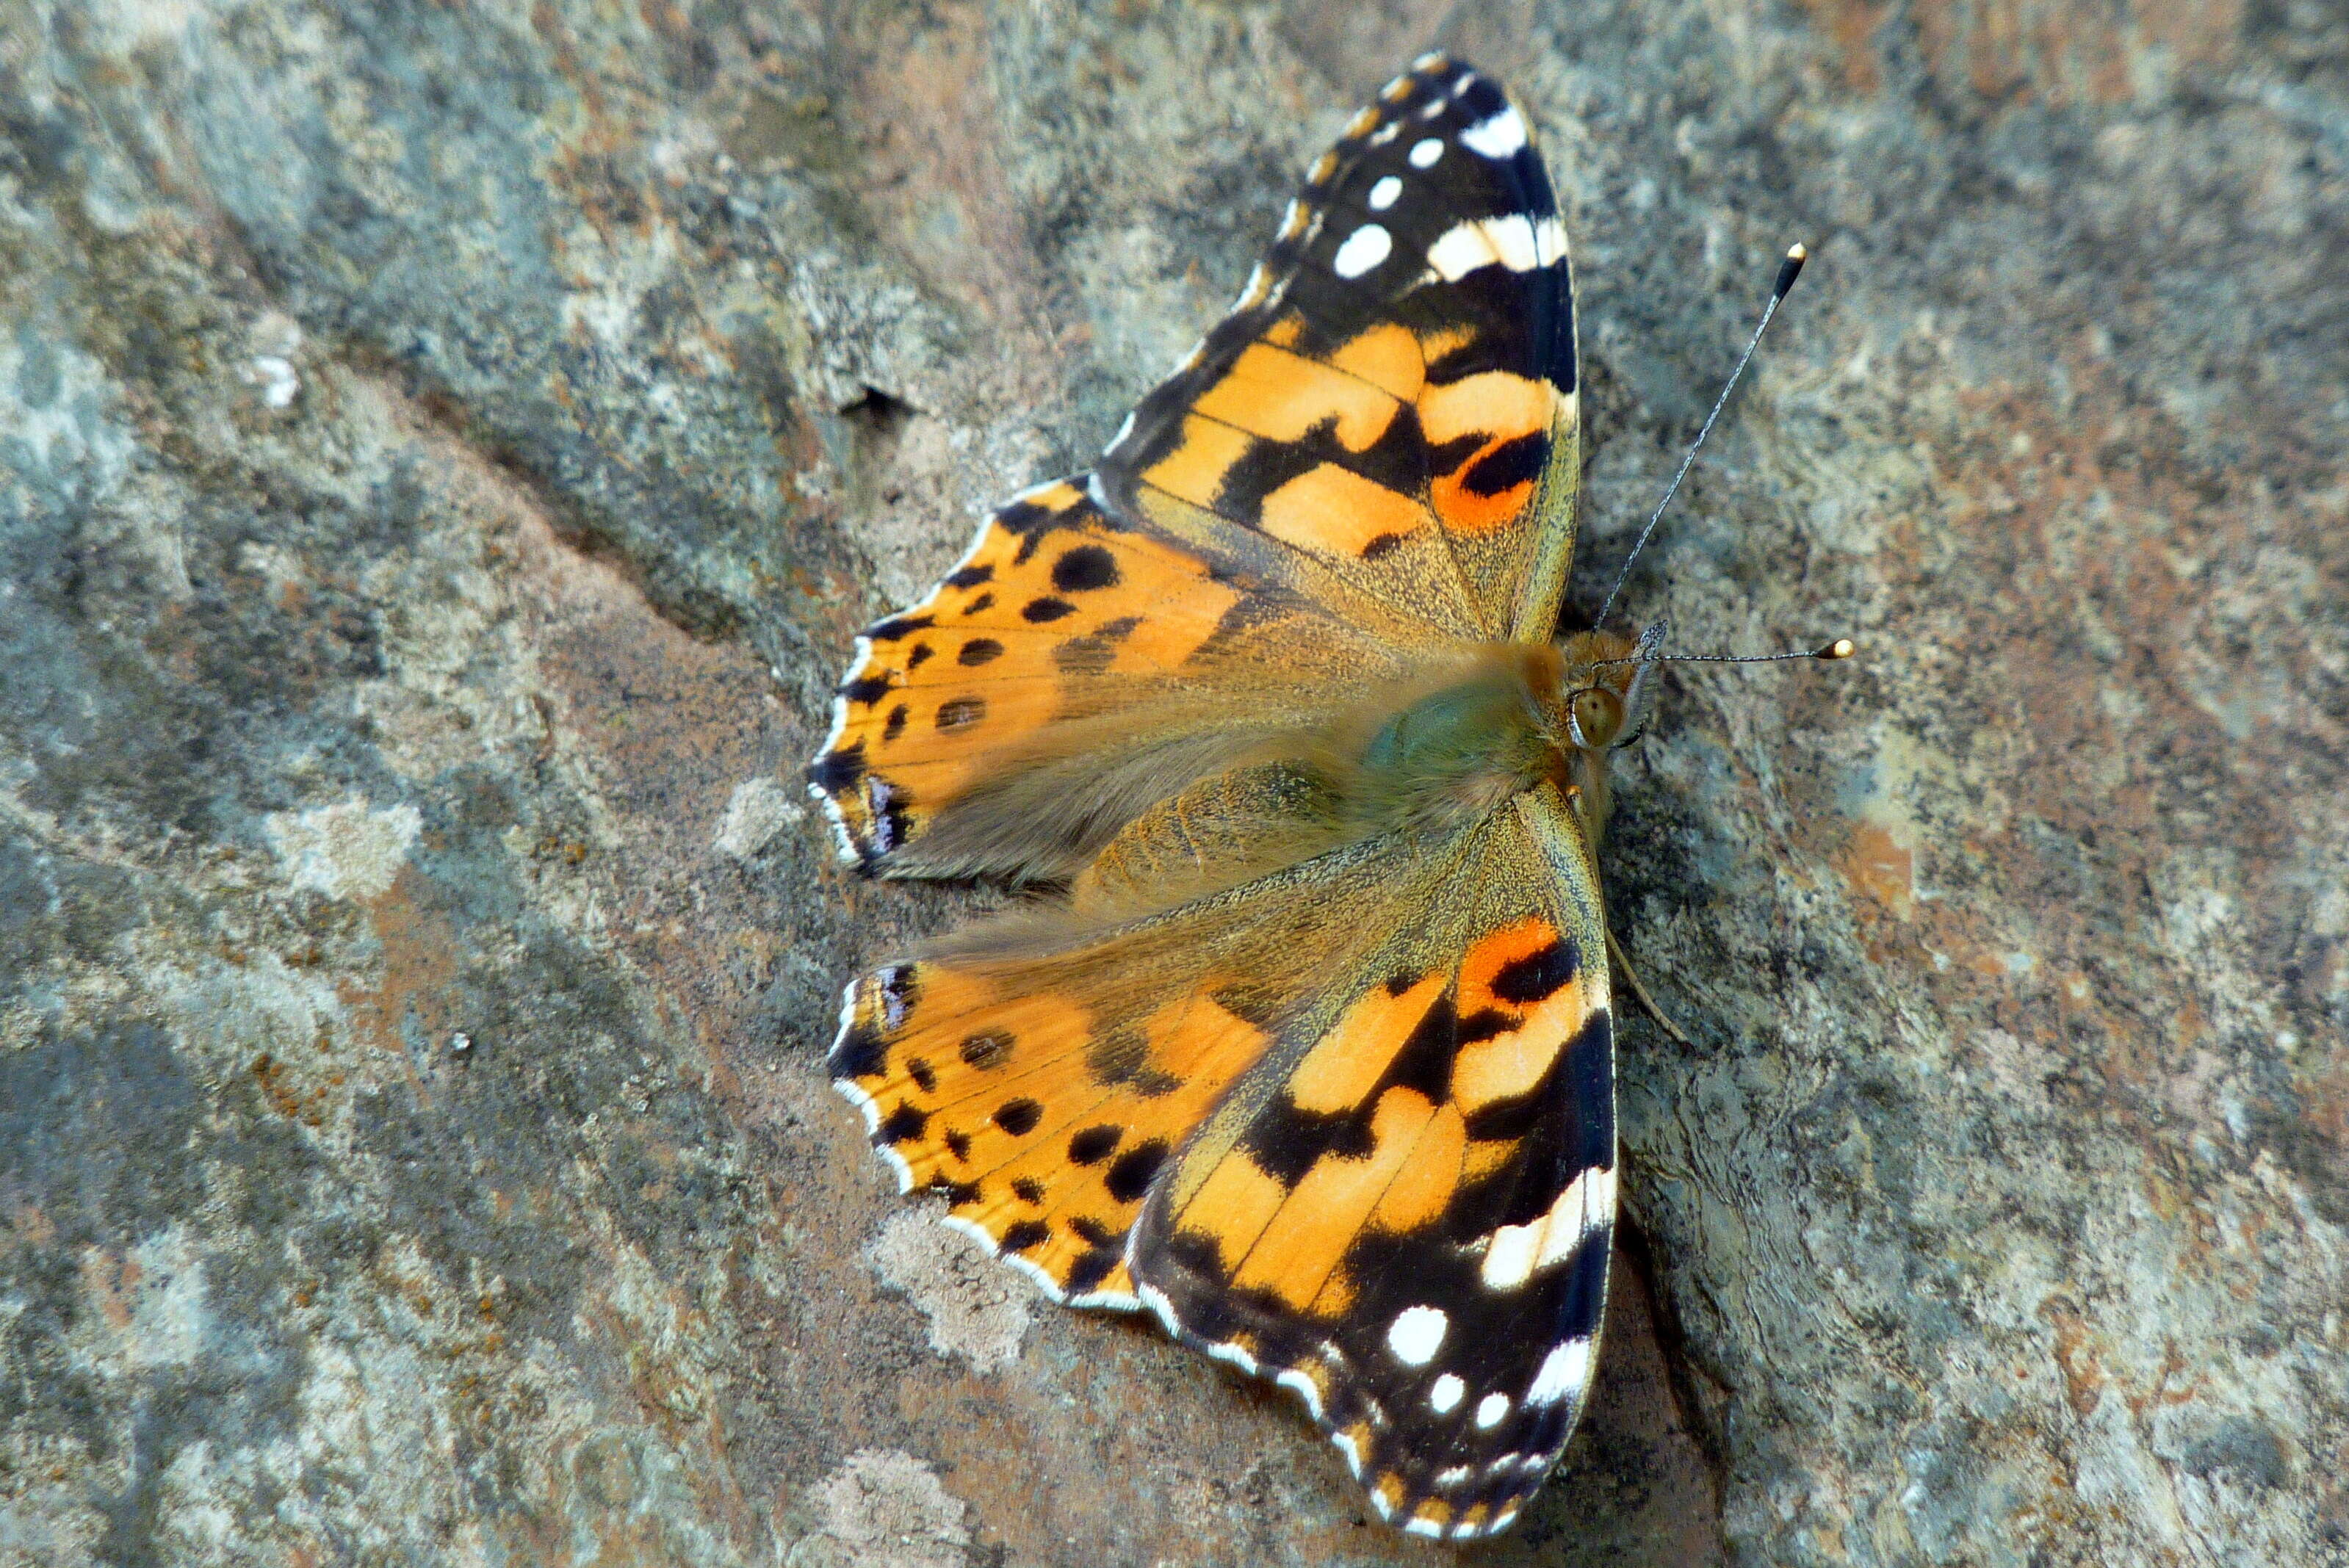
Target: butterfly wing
1394,393
1405,1215
1370,456
1071,670
1043,1069
1349,1125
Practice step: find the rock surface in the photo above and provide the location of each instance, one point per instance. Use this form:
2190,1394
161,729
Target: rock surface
444,450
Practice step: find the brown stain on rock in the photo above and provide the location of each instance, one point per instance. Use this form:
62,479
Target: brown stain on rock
1880,866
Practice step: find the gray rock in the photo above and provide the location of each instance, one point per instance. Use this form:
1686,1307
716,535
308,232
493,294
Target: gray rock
444,453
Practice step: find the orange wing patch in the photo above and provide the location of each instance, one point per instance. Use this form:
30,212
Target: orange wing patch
1504,423
1051,598
1042,1120
1521,995
1383,1102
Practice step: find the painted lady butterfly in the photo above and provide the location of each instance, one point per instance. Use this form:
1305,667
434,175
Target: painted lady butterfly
1313,1059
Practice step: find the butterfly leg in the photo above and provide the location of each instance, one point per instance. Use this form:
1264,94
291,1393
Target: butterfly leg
1620,963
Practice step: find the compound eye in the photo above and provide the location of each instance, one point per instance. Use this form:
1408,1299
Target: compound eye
1594,714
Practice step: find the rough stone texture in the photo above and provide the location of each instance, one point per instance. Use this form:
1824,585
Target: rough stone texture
444,450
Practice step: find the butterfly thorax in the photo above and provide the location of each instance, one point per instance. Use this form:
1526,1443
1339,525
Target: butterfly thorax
1498,720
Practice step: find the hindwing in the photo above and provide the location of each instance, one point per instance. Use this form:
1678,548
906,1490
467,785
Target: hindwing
1408,1222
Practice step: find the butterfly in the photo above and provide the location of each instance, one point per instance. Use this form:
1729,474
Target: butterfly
1301,1038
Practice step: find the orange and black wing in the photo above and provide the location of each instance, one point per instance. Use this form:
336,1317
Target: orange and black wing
1070,670
1042,1072
1405,1217
1348,1124
1394,393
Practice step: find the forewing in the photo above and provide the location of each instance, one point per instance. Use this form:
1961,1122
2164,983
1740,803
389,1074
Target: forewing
1070,670
1405,1214
1394,395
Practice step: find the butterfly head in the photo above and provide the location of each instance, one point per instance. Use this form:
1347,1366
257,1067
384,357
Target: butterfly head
1604,702
1604,694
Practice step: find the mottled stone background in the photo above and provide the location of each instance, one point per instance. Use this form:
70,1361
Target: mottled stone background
444,449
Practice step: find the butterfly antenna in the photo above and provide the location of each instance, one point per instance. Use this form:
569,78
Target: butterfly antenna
1649,654
1788,271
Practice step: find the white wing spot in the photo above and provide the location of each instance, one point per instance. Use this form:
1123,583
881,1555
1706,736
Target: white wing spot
1386,133
1237,1355
877,796
1503,136
1563,1373
1417,1334
1383,194
1490,1410
1452,1476
1365,248
1305,1389
1423,154
1445,1394
1435,110
1515,1254
1549,241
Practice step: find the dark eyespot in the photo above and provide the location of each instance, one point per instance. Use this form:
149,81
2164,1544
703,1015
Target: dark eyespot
1130,1177
1019,1117
979,650
961,711
1091,1269
838,772
1025,1235
1507,466
1536,975
1039,611
1088,566
1092,1145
